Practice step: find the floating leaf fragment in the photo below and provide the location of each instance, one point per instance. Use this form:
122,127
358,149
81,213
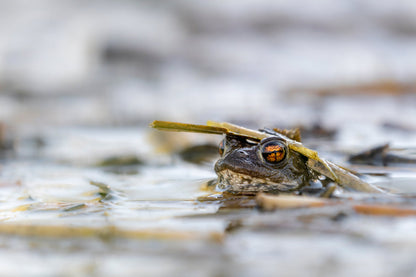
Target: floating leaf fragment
272,202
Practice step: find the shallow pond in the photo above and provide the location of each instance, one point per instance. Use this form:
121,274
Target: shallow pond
104,202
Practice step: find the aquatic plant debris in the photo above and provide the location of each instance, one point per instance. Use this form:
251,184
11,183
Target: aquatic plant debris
316,163
269,202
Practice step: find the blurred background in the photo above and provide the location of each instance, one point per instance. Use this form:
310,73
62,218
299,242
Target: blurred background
256,62
81,80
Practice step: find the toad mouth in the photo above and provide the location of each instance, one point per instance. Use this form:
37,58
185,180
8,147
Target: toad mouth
237,182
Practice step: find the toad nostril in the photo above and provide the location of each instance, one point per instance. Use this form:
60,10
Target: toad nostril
241,153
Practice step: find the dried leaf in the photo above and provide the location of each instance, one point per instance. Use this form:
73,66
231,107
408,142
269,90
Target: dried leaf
273,202
383,210
291,133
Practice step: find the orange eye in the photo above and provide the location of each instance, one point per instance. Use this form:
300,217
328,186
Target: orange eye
221,147
273,152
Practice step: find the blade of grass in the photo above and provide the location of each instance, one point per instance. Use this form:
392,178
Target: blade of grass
238,130
183,127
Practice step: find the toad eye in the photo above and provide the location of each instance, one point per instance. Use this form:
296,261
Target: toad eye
221,147
273,152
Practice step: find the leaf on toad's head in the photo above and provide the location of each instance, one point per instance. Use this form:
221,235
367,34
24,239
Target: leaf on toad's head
239,131
212,127
183,127
291,133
